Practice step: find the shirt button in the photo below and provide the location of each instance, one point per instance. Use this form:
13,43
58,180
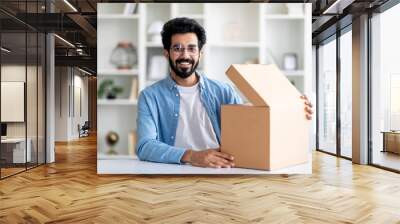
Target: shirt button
176,115
172,137
177,95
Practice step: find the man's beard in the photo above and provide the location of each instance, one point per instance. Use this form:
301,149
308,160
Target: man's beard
183,72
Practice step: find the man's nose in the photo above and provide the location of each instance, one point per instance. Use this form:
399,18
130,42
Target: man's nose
185,53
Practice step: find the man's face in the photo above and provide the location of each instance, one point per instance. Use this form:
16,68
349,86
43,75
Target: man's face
184,54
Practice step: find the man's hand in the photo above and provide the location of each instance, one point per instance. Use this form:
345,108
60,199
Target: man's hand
208,158
308,107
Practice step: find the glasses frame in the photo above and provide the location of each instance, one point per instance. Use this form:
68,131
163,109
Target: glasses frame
179,49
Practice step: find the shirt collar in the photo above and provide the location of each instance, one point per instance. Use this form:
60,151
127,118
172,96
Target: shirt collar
172,84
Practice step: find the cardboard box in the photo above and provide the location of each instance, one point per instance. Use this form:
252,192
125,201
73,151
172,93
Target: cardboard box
273,132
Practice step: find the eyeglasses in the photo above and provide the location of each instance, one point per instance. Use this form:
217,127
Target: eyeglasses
180,49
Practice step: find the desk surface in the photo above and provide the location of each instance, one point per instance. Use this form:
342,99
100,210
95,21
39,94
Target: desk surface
134,166
390,132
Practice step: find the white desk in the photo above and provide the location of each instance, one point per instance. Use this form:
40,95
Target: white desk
19,149
135,166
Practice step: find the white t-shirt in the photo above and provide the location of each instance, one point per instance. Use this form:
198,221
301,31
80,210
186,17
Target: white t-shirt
194,130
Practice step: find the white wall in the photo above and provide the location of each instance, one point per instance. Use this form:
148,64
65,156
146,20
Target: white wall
61,103
70,83
33,126
79,117
17,73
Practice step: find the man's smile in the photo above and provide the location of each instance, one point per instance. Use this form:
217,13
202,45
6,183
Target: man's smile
184,63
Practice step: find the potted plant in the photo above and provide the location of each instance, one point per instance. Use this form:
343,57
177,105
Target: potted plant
109,90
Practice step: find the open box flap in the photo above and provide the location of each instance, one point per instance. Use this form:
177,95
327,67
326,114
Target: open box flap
263,85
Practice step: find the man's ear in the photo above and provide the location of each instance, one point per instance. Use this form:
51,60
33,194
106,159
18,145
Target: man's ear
166,54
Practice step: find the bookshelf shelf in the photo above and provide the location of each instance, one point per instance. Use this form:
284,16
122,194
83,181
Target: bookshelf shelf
117,102
116,72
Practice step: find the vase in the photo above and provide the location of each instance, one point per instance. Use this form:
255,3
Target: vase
124,55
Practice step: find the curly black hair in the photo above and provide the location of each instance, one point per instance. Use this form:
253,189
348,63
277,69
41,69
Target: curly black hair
182,25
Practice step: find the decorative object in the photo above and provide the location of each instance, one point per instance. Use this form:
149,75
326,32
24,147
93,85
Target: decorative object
130,8
289,61
154,31
108,89
124,55
132,143
112,139
295,8
134,89
158,67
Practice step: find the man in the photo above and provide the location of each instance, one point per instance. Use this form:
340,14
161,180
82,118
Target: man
179,117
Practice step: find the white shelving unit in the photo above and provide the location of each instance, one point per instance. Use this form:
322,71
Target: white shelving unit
116,72
118,115
234,44
117,16
236,33
117,102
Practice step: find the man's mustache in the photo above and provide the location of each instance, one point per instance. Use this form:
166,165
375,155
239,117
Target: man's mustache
185,60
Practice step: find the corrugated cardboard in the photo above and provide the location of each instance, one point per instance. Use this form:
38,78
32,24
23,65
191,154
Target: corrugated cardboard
273,132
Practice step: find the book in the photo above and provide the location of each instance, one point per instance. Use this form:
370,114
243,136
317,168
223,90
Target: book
132,143
130,8
134,89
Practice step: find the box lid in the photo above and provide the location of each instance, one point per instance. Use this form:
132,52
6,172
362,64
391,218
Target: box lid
263,85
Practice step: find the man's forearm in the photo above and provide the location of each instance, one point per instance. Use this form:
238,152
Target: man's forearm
156,151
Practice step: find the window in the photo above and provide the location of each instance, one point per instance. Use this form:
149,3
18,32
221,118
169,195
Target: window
346,94
327,97
385,89
22,77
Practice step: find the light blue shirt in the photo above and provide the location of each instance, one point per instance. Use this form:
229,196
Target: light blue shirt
158,114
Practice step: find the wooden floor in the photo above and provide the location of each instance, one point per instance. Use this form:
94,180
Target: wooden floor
70,191
10,171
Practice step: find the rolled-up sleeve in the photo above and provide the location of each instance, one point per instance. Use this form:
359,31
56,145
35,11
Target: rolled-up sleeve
232,96
148,147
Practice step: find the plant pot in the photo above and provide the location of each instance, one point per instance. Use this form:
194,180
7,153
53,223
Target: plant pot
111,96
